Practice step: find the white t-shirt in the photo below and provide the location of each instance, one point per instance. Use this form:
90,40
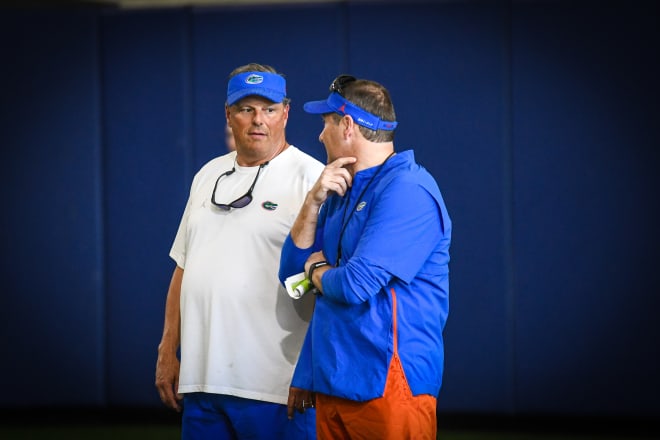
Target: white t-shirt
240,332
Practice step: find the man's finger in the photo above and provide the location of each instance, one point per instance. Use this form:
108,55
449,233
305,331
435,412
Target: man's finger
342,162
290,409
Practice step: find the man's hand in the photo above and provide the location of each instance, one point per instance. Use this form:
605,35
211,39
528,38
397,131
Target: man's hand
299,400
167,380
334,178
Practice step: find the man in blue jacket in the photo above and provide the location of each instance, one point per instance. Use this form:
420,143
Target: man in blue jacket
373,236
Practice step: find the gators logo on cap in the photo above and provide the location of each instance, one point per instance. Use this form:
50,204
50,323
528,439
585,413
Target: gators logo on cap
254,79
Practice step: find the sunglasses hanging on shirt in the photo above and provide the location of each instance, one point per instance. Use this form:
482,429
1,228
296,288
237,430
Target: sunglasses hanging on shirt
243,200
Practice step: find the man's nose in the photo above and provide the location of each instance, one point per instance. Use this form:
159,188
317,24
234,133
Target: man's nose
258,117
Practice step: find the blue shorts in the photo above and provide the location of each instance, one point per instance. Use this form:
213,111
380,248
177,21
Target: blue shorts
221,417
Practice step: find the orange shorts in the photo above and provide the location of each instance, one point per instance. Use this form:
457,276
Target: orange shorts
396,416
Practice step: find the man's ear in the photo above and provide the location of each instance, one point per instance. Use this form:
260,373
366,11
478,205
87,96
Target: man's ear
348,125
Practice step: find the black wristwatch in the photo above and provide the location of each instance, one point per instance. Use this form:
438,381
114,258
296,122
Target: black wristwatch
313,267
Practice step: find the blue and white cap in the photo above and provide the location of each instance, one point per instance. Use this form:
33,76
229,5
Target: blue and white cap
268,85
338,104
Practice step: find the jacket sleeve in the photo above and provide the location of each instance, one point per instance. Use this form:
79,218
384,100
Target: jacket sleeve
402,231
292,260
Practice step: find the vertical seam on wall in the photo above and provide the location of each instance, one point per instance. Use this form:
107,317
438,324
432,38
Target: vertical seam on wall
188,143
508,194
345,30
101,210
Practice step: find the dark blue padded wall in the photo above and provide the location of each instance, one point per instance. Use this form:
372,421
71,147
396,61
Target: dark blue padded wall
538,119
147,143
52,328
585,207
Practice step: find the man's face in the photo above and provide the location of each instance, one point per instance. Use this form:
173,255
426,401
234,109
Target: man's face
258,125
332,138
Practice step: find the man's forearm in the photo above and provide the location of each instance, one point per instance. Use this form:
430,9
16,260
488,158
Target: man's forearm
303,231
172,327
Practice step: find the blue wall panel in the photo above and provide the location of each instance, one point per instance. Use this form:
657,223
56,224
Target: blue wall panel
586,155
51,330
146,138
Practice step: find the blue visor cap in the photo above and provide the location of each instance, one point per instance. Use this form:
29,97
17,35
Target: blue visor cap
268,85
338,104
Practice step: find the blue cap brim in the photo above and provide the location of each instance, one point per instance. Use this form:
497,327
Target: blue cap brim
340,105
255,91
318,107
265,84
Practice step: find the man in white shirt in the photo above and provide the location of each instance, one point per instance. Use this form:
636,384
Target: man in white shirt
239,333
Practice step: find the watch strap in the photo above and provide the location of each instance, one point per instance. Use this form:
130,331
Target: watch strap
313,267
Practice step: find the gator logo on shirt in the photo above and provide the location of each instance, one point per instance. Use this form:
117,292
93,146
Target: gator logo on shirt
269,206
361,206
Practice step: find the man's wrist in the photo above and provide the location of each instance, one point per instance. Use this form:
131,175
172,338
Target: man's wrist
313,267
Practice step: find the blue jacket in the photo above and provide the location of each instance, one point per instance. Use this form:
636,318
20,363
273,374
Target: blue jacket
395,239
